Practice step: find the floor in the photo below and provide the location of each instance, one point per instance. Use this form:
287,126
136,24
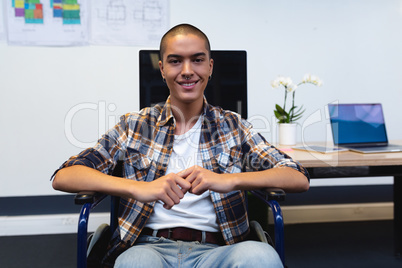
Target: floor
354,244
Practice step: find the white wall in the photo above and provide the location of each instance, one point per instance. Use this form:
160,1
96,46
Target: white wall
353,45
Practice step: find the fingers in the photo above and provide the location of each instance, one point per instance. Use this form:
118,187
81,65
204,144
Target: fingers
173,188
202,180
183,184
191,173
198,178
199,186
195,180
171,199
186,172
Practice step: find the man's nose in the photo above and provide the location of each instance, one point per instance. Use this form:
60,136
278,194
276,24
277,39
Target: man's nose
186,69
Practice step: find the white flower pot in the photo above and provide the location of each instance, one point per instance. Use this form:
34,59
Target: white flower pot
287,133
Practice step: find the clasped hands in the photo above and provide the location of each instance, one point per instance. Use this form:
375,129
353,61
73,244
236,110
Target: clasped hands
173,186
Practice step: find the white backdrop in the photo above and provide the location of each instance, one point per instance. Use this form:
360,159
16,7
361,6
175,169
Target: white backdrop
56,100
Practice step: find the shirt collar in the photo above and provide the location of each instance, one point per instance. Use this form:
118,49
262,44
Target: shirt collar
167,115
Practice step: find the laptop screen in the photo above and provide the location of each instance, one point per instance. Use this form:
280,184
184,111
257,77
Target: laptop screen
357,124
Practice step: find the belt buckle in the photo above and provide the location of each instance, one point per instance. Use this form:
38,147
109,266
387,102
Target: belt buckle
203,237
170,231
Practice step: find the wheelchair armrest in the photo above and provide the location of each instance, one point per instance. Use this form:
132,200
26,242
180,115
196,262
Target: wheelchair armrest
275,194
270,194
84,197
93,198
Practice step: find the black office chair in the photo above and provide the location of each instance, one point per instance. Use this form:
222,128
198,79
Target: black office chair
90,248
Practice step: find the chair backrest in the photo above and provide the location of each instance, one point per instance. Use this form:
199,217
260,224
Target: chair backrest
227,87
118,171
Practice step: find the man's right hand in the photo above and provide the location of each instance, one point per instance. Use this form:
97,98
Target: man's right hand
169,189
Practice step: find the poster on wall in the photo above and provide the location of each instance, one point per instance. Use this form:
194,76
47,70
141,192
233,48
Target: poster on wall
47,22
124,22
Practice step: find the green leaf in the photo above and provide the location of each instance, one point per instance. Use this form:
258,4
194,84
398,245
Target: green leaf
296,114
279,109
281,114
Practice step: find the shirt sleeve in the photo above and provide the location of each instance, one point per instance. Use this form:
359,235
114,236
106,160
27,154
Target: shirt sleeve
261,155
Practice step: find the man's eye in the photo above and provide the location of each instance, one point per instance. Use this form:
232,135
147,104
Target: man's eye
174,61
198,60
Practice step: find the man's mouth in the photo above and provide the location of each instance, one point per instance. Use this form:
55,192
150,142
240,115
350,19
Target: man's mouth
188,84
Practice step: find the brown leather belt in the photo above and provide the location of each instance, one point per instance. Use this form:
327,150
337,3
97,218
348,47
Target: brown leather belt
187,234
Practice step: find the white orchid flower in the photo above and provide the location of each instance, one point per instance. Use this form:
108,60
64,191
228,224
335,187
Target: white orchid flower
312,79
287,81
282,114
275,83
291,87
281,79
306,78
316,81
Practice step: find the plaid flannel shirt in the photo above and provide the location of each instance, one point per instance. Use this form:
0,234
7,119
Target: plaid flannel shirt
144,140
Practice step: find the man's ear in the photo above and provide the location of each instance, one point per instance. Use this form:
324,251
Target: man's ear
161,69
211,66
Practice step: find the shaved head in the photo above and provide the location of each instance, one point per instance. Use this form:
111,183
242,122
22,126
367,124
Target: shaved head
183,29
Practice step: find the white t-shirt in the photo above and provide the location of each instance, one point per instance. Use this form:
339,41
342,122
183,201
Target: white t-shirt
193,211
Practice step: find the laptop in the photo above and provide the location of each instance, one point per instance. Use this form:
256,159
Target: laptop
320,149
360,128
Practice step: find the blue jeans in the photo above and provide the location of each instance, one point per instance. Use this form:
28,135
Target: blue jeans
150,251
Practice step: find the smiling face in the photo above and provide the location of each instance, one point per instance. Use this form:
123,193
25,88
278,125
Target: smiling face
186,66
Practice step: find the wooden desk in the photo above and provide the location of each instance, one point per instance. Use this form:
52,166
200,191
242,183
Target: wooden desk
350,164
